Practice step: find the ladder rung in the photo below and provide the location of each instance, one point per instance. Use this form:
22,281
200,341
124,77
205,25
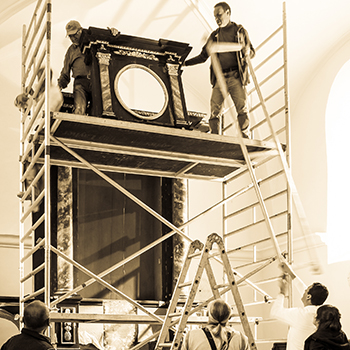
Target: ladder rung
165,345
186,284
193,255
175,314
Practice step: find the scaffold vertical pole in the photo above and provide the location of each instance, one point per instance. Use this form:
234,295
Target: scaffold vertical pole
47,158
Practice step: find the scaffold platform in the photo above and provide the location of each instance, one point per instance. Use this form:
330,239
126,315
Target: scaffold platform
140,148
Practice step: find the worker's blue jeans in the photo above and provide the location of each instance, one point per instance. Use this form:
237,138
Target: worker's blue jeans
239,97
82,94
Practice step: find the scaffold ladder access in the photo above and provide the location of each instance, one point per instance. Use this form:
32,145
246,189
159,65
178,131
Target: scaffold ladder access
198,249
213,49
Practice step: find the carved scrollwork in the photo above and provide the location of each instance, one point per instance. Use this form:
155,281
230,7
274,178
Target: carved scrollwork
139,54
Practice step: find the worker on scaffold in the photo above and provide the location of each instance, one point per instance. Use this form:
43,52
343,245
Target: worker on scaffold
234,68
75,62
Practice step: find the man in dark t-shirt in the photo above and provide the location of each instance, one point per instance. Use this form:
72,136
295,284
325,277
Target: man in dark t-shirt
233,65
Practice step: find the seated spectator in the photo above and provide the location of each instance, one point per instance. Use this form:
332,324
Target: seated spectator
216,335
36,320
329,335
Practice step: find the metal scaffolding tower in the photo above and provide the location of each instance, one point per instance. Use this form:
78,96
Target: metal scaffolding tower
243,166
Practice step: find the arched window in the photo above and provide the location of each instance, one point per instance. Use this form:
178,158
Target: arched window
338,165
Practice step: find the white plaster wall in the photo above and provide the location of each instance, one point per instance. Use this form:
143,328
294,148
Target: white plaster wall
309,161
9,277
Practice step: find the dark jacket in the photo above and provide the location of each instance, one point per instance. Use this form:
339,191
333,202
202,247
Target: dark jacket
238,30
28,340
75,63
327,340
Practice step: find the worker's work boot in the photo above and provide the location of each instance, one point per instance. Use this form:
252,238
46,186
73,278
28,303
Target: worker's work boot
214,124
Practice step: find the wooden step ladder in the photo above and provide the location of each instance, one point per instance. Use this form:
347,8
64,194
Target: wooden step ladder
198,249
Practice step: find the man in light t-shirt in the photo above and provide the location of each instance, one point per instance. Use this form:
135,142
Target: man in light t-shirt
299,319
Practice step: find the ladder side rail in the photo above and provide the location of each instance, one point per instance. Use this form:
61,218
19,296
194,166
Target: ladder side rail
225,212
212,281
188,306
196,245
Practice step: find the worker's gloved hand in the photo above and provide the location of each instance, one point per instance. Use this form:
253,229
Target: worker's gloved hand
114,31
283,284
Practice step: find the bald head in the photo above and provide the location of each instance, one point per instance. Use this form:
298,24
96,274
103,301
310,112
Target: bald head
36,316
